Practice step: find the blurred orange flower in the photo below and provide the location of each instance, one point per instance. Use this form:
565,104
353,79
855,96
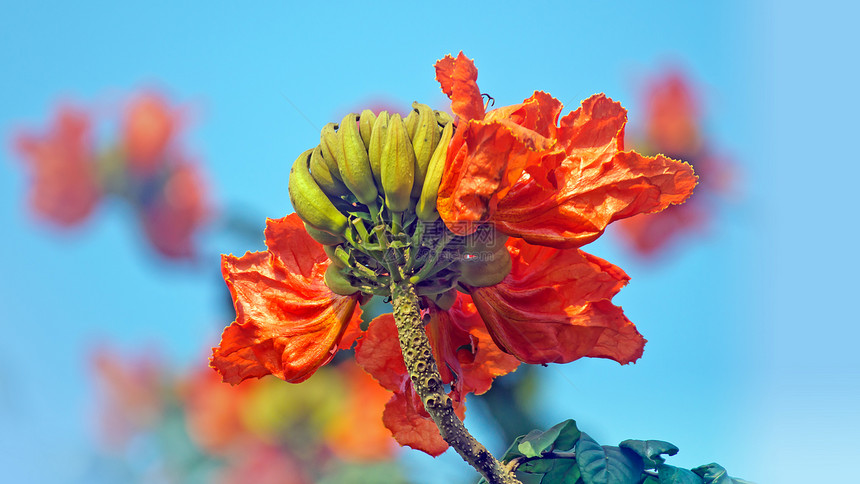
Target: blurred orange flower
555,183
145,168
64,186
130,391
356,432
148,128
673,125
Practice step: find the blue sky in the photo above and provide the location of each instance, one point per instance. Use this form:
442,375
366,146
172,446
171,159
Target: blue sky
752,333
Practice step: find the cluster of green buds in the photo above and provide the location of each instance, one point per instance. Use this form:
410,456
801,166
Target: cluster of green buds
368,193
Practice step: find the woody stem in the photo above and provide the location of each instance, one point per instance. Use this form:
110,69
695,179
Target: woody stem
428,384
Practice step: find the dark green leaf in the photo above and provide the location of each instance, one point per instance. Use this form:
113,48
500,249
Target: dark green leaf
713,474
560,437
538,466
605,464
676,475
650,450
651,480
564,471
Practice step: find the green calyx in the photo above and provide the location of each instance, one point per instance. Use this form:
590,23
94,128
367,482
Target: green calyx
368,193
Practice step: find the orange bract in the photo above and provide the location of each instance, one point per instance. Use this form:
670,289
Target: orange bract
548,181
288,322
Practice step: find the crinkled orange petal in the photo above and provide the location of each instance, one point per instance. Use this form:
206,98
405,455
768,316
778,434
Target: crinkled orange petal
484,162
592,196
594,130
464,350
287,324
409,427
458,80
294,250
486,361
555,307
378,353
538,113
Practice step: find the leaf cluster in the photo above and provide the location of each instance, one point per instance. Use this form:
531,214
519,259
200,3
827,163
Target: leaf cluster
565,455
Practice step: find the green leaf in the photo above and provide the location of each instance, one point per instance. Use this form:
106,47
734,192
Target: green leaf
561,436
513,450
650,450
713,473
563,471
607,465
651,480
538,466
675,475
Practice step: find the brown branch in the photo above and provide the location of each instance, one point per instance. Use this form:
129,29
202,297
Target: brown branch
428,384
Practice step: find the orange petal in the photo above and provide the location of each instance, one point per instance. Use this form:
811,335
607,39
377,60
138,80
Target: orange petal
483,361
378,353
293,249
458,80
538,113
554,307
484,161
591,196
286,324
464,350
409,427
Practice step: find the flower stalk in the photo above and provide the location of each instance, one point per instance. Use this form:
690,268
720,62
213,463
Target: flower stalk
427,382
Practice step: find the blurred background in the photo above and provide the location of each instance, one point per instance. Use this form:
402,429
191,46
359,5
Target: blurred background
746,303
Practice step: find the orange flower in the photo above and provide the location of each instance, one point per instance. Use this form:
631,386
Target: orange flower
288,322
65,186
548,181
167,188
555,183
